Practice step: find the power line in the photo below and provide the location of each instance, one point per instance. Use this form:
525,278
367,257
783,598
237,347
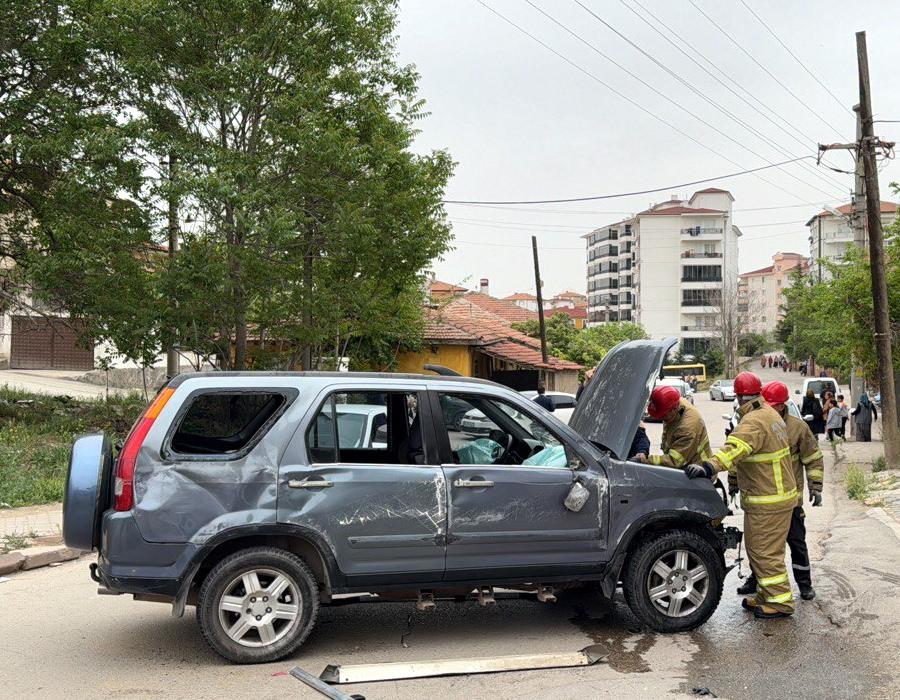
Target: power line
761,136
793,55
802,139
691,113
627,194
767,71
628,212
624,97
559,228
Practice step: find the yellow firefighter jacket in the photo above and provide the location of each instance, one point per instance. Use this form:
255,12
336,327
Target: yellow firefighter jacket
684,440
805,454
758,452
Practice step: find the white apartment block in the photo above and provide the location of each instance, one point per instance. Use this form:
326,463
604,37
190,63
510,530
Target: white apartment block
830,234
672,268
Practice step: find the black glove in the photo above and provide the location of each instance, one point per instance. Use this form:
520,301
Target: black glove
733,489
815,498
698,471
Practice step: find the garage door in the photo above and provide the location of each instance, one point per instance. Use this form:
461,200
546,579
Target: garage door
41,343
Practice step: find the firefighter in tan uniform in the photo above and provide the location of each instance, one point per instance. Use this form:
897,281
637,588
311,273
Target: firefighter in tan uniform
684,438
758,454
805,456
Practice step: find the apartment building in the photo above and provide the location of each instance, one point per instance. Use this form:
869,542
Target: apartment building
672,268
830,233
760,292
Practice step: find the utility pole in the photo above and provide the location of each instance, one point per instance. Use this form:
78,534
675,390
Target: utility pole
540,300
867,146
858,224
173,364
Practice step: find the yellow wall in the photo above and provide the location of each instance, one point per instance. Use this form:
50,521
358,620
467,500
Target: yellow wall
456,357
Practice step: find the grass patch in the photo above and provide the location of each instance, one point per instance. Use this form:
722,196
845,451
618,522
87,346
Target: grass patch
856,483
880,464
36,434
10,543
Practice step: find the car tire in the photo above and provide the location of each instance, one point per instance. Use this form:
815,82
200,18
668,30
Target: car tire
642,577
278,635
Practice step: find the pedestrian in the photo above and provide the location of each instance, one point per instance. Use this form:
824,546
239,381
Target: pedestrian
845,415
812,407
863,415
834,418
762,361
757,456
685,441
805,455
542,399
784,364
770,361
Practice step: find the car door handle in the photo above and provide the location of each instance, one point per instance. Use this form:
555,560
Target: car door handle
473,484
310,484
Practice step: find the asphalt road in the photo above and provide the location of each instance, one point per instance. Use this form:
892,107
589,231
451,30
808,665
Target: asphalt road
59,639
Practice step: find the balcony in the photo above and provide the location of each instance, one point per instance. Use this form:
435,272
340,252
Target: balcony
699,256
708,233
710,278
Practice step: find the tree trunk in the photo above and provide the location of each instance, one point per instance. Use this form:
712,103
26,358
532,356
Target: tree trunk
306,356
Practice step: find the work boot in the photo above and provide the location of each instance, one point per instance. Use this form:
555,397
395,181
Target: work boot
764,612
749,603
807,592
748,587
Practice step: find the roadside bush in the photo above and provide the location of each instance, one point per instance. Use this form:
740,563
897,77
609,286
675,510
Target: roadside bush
879,465
855,483
36,434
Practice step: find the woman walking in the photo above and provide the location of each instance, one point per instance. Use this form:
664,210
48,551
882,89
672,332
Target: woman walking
812,407
834,422
863,415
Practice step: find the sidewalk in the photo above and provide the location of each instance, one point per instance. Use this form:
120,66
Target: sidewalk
43,522
53,383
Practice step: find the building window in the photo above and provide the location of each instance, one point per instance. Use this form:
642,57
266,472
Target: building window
701,273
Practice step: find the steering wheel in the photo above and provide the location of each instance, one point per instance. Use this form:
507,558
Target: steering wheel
506,442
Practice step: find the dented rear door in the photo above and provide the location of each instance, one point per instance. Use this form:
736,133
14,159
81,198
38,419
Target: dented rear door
381,520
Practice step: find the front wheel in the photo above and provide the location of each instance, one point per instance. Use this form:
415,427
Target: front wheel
673,582
258,605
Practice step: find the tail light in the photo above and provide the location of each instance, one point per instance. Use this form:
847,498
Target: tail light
124,488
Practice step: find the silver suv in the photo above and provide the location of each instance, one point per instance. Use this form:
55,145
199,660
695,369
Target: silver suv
258,497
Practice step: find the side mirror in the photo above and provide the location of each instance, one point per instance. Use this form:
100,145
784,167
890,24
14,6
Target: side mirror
575,464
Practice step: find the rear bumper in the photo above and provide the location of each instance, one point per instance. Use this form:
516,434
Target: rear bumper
127,563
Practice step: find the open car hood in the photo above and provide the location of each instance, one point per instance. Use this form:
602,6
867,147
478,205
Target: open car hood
612,403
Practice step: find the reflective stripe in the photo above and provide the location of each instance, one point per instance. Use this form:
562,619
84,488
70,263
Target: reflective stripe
676,457
655,459
799,568
812,457
740,444
768,456
815,474
779,477
783,598
772,580
774,498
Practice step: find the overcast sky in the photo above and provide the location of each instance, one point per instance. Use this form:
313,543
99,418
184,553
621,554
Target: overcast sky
523,124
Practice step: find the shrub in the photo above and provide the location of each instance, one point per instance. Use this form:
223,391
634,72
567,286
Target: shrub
855,483
880,464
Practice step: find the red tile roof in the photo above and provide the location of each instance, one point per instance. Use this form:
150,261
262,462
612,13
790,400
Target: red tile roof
463,321
885,207
445,287
679,210
577,312
504,308
711,190
521,296
760,271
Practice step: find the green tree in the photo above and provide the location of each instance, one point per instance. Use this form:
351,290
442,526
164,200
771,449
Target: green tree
587,346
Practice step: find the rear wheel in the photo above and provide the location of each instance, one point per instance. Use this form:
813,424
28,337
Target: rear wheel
258,605
673,582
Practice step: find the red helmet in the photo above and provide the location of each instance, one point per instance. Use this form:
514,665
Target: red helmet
747,384
662,400
775,393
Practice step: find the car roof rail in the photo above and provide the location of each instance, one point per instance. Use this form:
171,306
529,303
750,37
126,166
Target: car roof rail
441,370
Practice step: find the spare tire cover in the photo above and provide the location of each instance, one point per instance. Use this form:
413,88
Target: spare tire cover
87,492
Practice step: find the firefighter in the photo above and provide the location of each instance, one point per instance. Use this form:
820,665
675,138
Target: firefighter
684,438
757,457
805,455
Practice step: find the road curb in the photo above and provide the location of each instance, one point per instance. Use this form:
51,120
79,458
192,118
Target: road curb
36,557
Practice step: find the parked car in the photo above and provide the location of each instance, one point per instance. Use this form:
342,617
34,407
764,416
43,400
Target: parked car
732,418
683,387
722,390
563,403
241,494
818,385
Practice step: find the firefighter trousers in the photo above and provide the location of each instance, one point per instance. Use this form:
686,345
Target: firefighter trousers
765,536
796,540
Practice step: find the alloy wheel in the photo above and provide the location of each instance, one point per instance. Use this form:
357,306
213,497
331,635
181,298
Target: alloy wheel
678,583
259,607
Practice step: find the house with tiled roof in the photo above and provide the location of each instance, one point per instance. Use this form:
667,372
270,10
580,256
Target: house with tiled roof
831,233
468,336
442,290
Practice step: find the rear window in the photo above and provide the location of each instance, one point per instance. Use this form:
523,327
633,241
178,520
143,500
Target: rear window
225,423
820,385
